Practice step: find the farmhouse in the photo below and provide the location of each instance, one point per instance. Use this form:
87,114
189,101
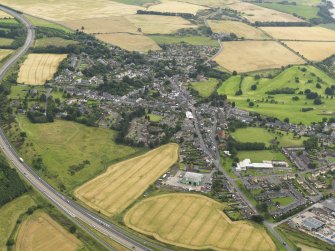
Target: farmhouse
194,179
243,165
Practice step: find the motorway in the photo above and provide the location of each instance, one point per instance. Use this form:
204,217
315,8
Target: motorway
70,208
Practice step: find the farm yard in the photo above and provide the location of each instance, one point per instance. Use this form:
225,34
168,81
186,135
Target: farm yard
313,51
238,56
176,7
122,183
38,68
40,232
195,222
242,30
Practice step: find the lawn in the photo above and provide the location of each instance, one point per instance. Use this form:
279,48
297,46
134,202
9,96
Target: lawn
54,41
193,40
9,214
304,11
284,201
259,156
205,88
155,118
282,105
64,145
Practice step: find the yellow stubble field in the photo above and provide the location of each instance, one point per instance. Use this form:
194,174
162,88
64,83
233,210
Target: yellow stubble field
248,56
177,7
40,232
123,183
313,51
4,53
195,222
38,68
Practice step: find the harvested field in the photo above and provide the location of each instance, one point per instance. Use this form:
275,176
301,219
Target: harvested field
4,53
5,15
210,3
256,13
40,232
130,42
239,28
62,10
124,182
264,55
301,33
38,68
314,51
156,24
176,7
195,222
110,25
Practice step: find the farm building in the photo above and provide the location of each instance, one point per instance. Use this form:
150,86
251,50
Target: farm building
194,179
312,224
243,165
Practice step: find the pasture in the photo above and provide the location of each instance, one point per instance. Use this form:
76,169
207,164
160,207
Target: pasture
304,11
10,212
195,222
176,7
40,232
205,88
53,41
63,144
315,33
238,56
4,53
6,41
313,51
241,30
211,3
193,40
47,24
38,68
255,13
130,42
283,106
157,24
122,183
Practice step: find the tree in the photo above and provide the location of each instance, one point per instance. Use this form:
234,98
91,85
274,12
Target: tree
311,143
253,87
287,120
73,229
251,104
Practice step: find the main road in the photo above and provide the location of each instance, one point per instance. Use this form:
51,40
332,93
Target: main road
70,208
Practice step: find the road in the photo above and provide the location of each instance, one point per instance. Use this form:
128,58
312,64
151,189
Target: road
66,205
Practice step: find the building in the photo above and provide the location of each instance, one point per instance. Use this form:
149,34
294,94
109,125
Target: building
243,165
312,224
189,115
193,179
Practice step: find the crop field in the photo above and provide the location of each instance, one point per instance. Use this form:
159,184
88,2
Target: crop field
40,232
242,30
176,7
130,42
313,51
6,41
301,33
54,41
4,53
122,183
5,15
63,144
239,56
256,13
193,40
261,135
205,88
283,106
38,68
195,222
157,24
9,215
304,11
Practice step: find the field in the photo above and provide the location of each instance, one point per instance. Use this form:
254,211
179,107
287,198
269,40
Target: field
63,144
205,88
303,11
313,51
130,42
261,135
5,15
123,183
48,24
38,68
6,41
256,13
301,33
54,41
193,40
9,214
242,30
259,156
195,222
282,105
283,201
176,7
4,53
156,24
40,232
240,57
155,118
211,3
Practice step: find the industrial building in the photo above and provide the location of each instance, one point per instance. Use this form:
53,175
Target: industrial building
243,165
312,224
193,179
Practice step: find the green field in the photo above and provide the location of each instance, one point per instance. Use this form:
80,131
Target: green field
44,23
55,41
63,144
259,156
193,40
205,88
330,26
281,105
284,201
9,214
8,21
155,118
303,11
6,41
261,135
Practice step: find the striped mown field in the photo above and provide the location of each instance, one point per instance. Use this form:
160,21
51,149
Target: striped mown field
124,182
196,222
